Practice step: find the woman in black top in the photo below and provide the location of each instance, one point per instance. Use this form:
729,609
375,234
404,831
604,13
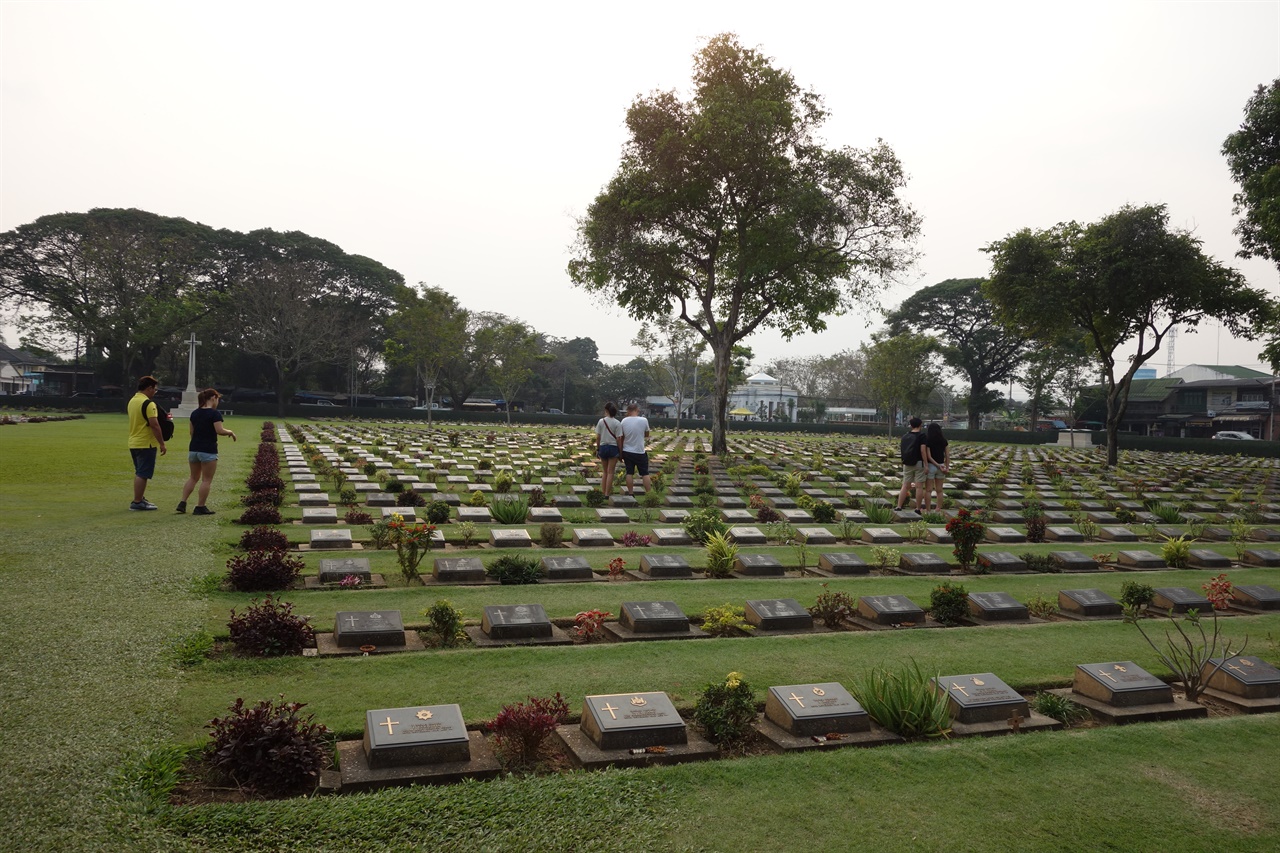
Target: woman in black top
937,462
202,455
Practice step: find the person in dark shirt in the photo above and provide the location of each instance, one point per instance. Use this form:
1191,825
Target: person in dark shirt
912,466
206,426
937,462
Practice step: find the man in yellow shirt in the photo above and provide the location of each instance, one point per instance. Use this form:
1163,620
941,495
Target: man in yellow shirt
144,437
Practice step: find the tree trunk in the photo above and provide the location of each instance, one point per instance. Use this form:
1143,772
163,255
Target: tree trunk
720,401
975,396
280,390
1114,413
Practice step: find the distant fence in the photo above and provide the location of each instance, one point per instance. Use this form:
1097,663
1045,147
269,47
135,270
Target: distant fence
1264,449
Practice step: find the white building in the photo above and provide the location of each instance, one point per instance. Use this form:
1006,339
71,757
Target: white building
766,398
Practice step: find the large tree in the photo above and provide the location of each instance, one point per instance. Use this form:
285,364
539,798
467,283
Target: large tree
302,301
1047,366
727,212
1253,154
516,349
902,371
971,340
1126,279
124,281
671,351
428,331
464,375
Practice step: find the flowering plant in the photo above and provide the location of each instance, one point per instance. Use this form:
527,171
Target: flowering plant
1218,591
966,529
349,582
590,624
412,542
616,566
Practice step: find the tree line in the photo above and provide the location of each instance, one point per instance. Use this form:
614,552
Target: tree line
727,215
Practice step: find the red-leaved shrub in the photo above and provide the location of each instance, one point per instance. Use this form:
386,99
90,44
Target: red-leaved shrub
268,748
270,629
264,570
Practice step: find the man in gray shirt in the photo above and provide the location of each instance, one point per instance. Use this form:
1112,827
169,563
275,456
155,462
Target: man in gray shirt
635,429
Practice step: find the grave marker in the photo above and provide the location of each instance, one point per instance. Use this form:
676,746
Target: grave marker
355,628
515,621
778,614
632,721
980,698
1122,684
806,710
426,734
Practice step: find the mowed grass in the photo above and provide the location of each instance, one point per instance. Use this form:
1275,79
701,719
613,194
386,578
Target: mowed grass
94,594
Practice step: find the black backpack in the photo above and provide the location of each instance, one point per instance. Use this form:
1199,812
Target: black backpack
162,417
911,448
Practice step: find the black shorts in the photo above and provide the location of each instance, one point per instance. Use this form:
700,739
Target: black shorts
144,462
636,461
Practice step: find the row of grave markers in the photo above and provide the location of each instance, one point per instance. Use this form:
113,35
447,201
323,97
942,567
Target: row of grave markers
431,744
370,631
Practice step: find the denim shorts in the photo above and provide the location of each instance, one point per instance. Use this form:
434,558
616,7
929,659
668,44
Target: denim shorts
607,451
934,472
144,461
197,456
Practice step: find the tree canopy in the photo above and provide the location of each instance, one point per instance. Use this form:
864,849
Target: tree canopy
1253,154
971,340
302,300
124,280
728,213
1126,279
902,371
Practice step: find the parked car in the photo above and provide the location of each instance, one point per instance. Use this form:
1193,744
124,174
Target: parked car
328,403
1233,435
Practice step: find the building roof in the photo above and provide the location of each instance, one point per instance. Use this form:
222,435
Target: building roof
1151,390
1224,371
17,356
761,377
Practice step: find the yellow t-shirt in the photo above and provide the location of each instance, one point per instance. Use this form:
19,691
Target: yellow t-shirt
140,434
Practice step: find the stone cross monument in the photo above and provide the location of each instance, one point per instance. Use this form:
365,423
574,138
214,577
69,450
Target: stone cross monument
190,397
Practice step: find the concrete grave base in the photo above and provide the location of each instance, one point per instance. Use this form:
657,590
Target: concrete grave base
868,625
353,546
327,646
784,741
637,575
375,581
1268,705
1034,723
357,775
1080,617
481,640
624,634
1178,709
588,756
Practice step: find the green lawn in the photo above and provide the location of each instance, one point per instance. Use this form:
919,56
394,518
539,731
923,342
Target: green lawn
93,595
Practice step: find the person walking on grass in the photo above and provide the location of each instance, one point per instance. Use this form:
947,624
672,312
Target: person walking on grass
202,452
145,438
635,429
937,462
608,441
912,452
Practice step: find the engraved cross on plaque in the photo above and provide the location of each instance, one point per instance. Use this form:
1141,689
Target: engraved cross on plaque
793,697
960,687
389,723
610,709
351,620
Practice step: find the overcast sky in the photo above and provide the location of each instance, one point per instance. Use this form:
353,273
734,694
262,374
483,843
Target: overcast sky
456,143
